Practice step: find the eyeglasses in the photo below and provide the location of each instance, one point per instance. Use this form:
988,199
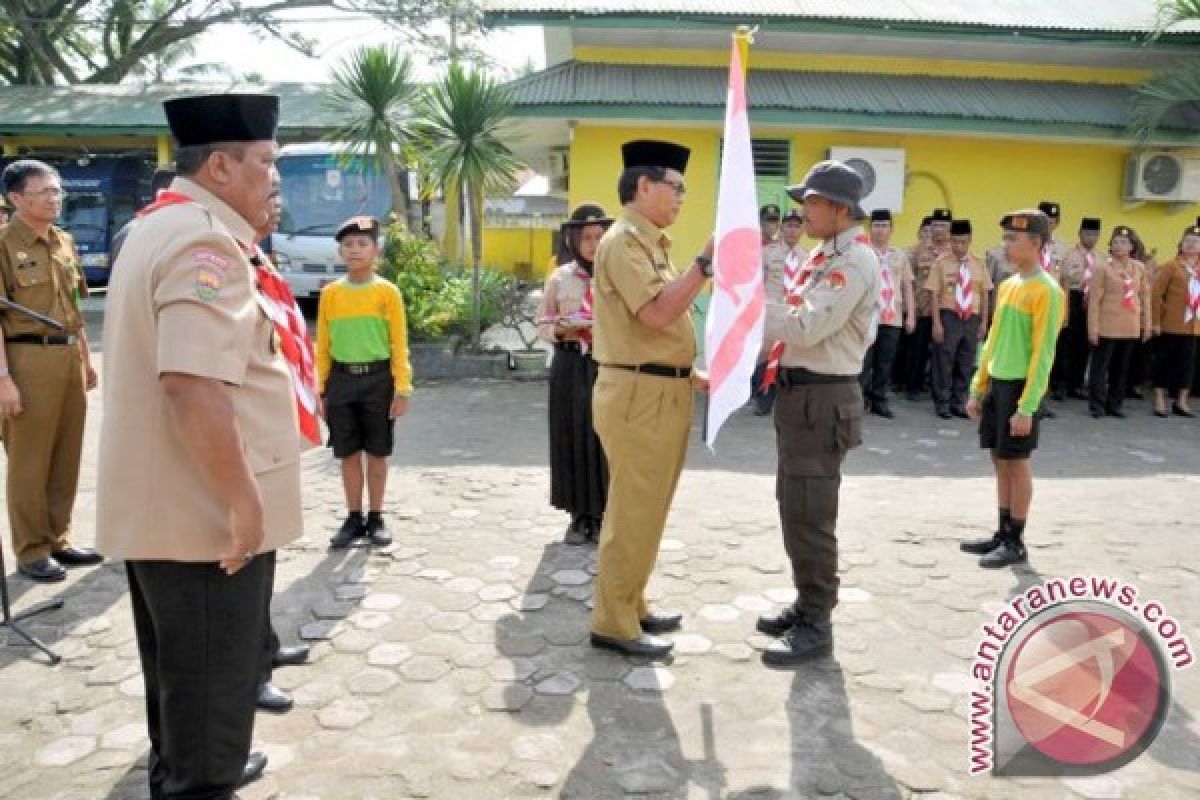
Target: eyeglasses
679,188
49,193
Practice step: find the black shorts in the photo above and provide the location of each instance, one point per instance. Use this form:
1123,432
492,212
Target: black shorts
357,409
999,404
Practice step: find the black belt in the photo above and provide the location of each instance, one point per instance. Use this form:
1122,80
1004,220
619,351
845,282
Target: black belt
661,370
368,368
799,376
43,339
570,347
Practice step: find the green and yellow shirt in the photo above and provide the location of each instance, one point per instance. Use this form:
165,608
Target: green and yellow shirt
1020,344
358,323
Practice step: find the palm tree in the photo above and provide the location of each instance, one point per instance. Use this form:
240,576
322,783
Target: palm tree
1174,89
373,91
462,133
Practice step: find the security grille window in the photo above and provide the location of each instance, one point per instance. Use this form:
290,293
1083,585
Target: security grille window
772,158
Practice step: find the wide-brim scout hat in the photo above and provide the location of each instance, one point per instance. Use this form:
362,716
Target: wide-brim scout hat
834,181
1026,221
211,118
1089,224
361,224
960,227
587,214
655,153
1050,209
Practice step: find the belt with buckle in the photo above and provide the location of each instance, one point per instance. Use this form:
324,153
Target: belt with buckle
368,368
661,370
799,376
43,339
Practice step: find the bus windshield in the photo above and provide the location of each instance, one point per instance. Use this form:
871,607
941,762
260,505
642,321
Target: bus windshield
85,215
321,191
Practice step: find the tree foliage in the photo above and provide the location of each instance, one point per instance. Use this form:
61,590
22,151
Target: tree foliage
1171,94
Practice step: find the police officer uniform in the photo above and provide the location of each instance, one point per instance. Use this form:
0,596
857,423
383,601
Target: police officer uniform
819,411
183,302
776,255
642,410
44,442
961,288
1078,268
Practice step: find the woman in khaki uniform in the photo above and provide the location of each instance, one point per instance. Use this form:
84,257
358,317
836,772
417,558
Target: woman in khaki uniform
1175,305
1118,318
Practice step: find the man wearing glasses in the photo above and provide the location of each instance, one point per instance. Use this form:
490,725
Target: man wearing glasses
44,374
642,402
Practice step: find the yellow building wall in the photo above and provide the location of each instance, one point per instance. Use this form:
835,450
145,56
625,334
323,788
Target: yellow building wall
978,178
524,252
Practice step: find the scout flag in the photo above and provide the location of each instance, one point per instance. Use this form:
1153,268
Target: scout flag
734,324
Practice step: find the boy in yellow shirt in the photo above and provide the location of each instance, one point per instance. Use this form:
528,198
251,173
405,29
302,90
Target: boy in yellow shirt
364,376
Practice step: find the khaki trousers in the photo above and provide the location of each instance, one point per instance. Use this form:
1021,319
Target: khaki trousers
643,423
44,444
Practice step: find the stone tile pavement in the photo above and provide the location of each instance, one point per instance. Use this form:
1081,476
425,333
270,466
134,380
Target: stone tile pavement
455,664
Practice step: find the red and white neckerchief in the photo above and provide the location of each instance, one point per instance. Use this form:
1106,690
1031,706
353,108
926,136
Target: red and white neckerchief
1047,260
585,308
887,294
794,297
1128,290
1089,266
793,272
275,299
964,297
1193,300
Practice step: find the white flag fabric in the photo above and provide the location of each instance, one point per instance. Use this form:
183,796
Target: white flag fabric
734,325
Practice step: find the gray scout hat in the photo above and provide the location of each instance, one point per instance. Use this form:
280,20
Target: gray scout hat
834,181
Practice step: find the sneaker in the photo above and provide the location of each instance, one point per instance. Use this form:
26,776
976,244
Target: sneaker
808,639
981,546
377,531
353,528
1010,551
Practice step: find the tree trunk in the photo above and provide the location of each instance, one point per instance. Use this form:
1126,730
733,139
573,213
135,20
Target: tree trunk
475,219
452,245
399,196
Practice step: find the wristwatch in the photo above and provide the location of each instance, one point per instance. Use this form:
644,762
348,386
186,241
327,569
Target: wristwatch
705,264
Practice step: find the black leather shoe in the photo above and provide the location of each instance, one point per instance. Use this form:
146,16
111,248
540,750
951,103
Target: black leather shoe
353,528
779,624
1096,414
981,546
272,698
256,764
377,531
806,640
44,570
290,656
662,622
1077,394
1180,411
72,556
592,529
882,410
1117,414
1008,553
1162,414
1134,394
960,412
576,532
944,413
644,646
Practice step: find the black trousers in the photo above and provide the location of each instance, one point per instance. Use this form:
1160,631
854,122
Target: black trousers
876,376
900,362
918,355
815,426
1106,374
271,640
954,359
1073,344
200,638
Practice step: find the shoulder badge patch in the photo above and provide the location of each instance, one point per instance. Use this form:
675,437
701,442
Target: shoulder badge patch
836,279
208,284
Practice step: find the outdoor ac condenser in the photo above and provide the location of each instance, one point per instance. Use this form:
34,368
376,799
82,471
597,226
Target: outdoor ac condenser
1162,178
882,171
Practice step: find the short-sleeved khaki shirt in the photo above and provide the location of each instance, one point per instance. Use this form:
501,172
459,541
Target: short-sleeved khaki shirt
182,300
921,259
775,257
42,274
943,281
632,266
895,263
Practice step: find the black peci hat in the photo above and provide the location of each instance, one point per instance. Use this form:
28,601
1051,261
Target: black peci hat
1192,230
794,214
655,153
769,211
1050,209
362,224
587,214
210,118
941,215
1089,224
960,227
881,215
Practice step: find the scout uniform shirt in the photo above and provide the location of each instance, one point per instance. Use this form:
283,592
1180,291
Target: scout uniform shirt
1076,266
944,278
895,272
182,300
632,267
775,257
921,259
1175,299
1118,300
830,330
41,274
564,295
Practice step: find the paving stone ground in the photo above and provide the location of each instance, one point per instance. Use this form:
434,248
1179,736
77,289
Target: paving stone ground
455,664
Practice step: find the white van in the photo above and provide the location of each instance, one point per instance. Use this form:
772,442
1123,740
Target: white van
320,189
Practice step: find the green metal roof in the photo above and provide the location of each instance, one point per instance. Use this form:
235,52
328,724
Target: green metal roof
595,90
1096,16
137,109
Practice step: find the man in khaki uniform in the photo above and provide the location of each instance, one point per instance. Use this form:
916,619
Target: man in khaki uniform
1078,267
642,401
897,312
921,342
960,287
818,415
1053,256
44,374
199,451
777,256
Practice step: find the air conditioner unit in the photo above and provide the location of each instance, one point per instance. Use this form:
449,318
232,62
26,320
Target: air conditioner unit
882,171
1162,178
558,168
